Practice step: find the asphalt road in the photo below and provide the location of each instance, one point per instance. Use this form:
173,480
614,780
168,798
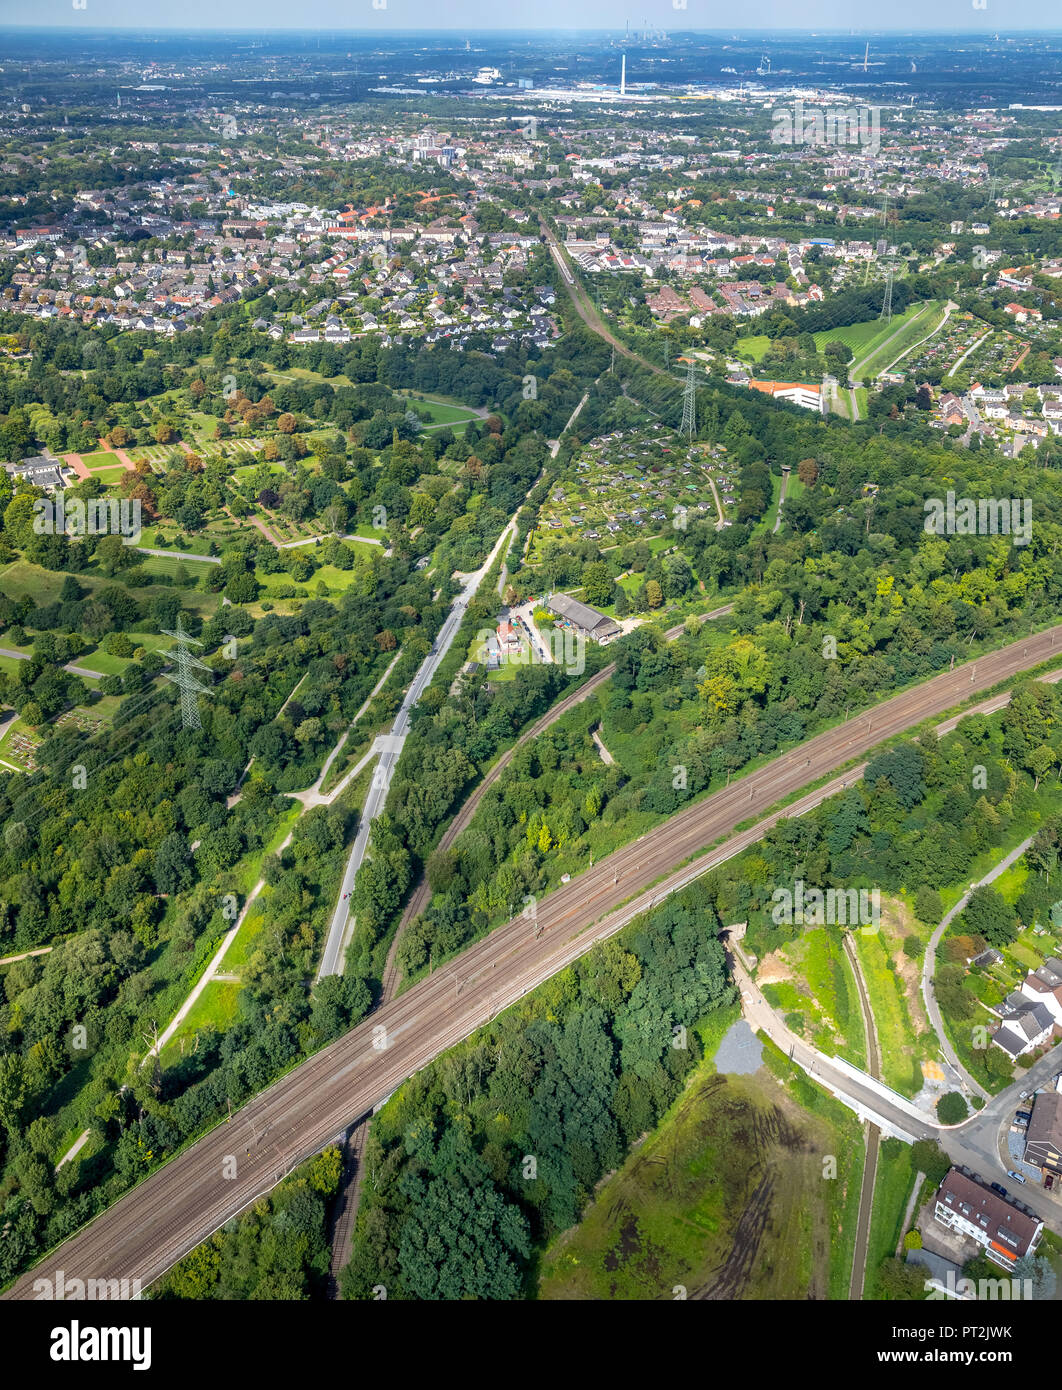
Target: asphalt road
177,1207
333,956
975,1143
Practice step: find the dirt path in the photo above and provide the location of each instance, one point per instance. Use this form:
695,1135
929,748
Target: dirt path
872,1132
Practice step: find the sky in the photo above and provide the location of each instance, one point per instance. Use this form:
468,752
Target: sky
950,16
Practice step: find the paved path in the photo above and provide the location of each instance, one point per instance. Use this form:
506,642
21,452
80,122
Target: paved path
948,307
606,756
781,500
312,540
68,666
972,348
333,956
181,555
74,1149
78,464
718,504
919,1179
40,951
856,369
211,971
966,1081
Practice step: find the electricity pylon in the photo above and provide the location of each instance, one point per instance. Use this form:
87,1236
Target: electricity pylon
689,404
185,679
886,307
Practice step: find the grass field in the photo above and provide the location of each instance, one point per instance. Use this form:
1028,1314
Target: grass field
22,578
819,999
893,1181
913,324
101,458
442,412
900,1050
215,1008
753,348
110,477
725,1200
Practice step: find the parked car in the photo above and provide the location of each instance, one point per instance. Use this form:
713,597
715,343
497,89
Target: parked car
1016,1176
998,1187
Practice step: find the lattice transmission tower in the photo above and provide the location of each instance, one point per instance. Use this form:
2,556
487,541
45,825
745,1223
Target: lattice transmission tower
184,678
886,306
689,403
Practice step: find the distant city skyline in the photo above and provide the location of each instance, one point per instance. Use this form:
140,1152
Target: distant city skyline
903,16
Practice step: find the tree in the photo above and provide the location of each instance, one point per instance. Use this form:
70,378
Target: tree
172,869
462,1241
597,583
654,595
12,1090
112,555
927,905
808,472
1037,1269
989,915
952,1108
899,1281
929,1158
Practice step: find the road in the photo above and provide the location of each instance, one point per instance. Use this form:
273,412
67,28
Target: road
974,1143
332,959
177,1207
972,348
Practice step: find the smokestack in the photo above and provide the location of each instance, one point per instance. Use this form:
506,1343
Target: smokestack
623,76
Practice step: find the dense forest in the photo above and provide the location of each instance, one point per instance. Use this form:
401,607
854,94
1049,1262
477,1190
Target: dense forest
497,1146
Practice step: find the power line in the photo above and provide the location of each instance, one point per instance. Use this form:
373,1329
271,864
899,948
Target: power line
185,678
689,404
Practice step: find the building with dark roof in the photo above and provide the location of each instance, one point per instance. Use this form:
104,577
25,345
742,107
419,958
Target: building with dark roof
1025,1025
38,470
1001,1228
598,627
1043,1137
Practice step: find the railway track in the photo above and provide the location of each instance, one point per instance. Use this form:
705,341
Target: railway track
177,1207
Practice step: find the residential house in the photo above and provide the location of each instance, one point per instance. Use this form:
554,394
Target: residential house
1005,1232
